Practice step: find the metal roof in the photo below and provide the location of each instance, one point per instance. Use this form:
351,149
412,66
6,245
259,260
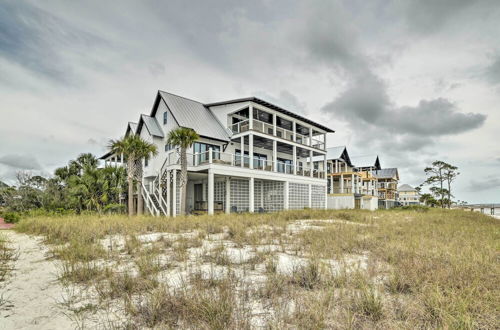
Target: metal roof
366,161
406,187
194,115
386,173
131,127
152,126
274,107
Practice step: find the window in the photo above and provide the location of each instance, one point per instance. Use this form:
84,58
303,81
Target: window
285,165
146,162
201,151
165,117
168,147
259,160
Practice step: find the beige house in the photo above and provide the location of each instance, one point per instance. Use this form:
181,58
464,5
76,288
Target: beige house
407,195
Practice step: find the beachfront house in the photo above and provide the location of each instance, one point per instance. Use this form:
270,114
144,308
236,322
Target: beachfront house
407,195
252,156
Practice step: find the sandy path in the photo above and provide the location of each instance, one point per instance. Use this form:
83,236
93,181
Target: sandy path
32,291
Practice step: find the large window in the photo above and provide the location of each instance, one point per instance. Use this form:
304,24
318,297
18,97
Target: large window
285,165
201,151
165,117
259,160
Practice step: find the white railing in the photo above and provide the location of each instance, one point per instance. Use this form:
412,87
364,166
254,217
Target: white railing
238,160
149,201
263,127
268,128
240,127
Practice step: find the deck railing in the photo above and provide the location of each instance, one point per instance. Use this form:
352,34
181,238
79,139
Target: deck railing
238,160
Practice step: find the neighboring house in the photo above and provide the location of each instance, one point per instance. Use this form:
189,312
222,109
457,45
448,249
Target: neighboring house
251,156
387,186
407,195
348,186
490,209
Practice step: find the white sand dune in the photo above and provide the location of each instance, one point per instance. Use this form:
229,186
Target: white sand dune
32,292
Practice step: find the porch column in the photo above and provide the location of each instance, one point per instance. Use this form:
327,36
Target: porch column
311,164
121,159
169,185
251,199
310,196
310,136
250,116
325,167
286,201
352,184
294,130
210,191
342,183
336,166
242,147
174,193
274,124
294,156
275,156
331,185
250,149
228,195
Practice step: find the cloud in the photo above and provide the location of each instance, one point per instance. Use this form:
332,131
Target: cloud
21,162
492,71
487,183
285,99
32,38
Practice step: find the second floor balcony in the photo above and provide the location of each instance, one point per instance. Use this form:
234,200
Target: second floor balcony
197,160
274,125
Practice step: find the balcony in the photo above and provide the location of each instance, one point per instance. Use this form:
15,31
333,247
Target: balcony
269,129
237,160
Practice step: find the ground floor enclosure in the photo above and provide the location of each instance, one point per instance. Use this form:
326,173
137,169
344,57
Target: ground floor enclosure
217,193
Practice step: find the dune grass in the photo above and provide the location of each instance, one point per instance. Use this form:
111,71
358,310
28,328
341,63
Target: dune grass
384,269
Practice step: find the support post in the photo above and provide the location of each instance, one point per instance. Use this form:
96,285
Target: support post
251,199
228,195
210,191
342,183
274,124
250,117
169,185
174,193
242,144
311,164
310,136
294,155
294,129
275,156
352,184
210,155
250,150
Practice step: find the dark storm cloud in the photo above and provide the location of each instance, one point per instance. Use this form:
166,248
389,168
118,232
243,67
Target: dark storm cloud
20,162
484,184
33,39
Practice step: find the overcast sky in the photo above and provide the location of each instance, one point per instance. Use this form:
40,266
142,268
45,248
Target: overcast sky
411,81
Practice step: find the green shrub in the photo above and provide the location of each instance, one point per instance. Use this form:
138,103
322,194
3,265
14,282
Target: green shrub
11,217
114,209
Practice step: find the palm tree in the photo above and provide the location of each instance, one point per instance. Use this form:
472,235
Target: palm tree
134,149
183,138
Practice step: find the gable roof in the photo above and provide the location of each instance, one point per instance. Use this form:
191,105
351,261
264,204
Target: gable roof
339,152
386,173
131,127
366,161
151,124
194,115
406,187
274,107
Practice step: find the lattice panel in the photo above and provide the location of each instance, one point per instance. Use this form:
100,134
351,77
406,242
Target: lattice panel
318,196
298,196
240,195
273,195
